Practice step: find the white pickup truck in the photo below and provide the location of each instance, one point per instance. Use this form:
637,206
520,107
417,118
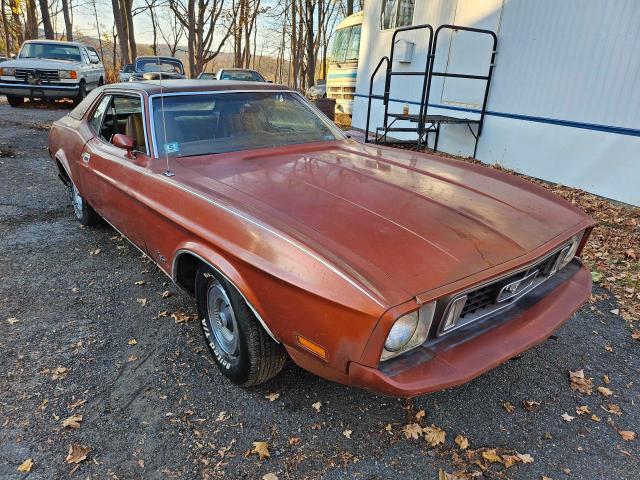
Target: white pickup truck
51,69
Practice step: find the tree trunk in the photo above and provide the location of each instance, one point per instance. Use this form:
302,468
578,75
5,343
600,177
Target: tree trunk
311,53
68,25
95,14
349,7
31,27
130,32
5,29
120,29
46,20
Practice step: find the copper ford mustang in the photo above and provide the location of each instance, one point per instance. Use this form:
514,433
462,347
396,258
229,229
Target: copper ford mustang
394,271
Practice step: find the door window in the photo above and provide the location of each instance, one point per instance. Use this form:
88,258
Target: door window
124,115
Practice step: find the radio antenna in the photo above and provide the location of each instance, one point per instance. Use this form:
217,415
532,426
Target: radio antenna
167,172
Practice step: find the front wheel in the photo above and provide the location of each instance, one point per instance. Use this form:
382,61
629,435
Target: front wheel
82,92
243,350
83,212
15,101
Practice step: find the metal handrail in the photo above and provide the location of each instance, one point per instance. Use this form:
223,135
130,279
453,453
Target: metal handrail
385,98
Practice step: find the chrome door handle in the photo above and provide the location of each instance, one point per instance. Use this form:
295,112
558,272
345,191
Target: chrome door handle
86,157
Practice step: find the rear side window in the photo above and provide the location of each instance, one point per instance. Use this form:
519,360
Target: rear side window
98,113
79,111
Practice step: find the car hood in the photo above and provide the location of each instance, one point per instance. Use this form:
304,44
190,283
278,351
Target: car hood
40,63
390,218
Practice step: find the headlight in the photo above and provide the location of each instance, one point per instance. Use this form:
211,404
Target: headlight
68,74
409,331
567,253
7,72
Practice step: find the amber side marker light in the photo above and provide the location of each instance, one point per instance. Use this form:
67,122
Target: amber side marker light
73,75
312,347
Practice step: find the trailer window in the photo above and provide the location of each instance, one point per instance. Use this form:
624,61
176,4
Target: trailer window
396,13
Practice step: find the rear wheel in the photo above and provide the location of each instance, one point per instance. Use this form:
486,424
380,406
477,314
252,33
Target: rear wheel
15,101
83,212
243,350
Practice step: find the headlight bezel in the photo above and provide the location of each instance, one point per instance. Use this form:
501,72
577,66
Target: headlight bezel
7,72
68,74
417,335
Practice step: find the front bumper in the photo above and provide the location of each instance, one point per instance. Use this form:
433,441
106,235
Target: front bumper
38,91
459,358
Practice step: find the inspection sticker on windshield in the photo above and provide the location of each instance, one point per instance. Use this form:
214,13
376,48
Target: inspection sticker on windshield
171,147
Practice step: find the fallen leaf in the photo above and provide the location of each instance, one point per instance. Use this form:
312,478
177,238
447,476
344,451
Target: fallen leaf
181,317
509,460
12,321
606,379
412,430
595,418
140,282
531,405
272,397
611,408
141,462
26,466
94,252
142,301
222,416
77,453
317,406
261,449
491,456
596,276
132,358
132,342
388,428
43,405
72,422
582,410
525,457
508,406
627,435
580,383
420,414
270,476
59,372
462,442
166,294
605,392
433,435
347,433
608,348
615,311
566,417
294,440
636,335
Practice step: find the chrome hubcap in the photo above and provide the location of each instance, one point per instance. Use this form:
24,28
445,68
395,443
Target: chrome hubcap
76,200
222,319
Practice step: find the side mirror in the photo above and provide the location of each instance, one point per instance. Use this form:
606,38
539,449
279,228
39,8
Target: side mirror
125,142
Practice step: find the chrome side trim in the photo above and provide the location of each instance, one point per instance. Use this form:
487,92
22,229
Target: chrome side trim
255,312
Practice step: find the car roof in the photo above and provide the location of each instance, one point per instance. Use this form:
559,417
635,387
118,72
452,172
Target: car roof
238,69
154,87
161,57
56,42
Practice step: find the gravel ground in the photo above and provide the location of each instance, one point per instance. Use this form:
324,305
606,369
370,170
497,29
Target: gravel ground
158,408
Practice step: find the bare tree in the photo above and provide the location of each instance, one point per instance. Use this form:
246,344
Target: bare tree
173,34
68,23
202,20
5,28
46,19
120,31
151,6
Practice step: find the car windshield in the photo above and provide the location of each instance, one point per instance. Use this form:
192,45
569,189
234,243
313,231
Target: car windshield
243,75
128,69
200,124
52,51
207,76
159,65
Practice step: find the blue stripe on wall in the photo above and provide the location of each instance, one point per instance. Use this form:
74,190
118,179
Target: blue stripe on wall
340,75
528,118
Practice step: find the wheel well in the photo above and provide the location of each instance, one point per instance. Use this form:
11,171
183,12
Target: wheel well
62,173
185,271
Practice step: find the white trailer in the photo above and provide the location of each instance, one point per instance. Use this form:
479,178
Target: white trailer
564,101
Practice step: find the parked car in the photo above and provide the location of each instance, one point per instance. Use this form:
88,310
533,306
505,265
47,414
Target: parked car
126,72
3,59
155,68
238,74
319,90
51,69
395,271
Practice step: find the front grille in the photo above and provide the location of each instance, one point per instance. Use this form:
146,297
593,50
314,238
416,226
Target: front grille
45,75
493,297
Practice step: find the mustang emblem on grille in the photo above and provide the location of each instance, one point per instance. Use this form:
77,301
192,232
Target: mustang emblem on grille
516,287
